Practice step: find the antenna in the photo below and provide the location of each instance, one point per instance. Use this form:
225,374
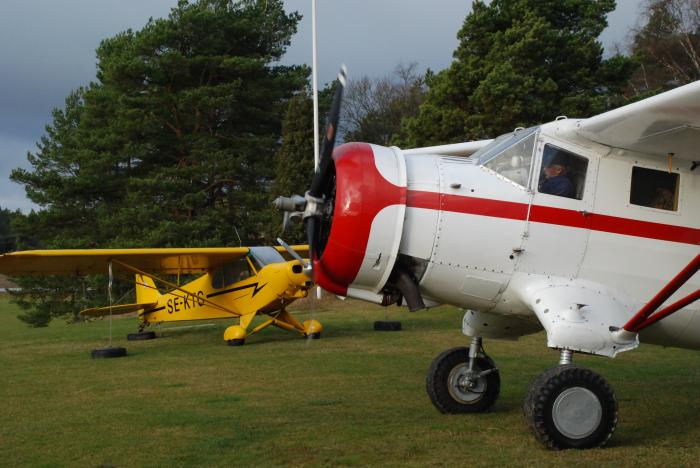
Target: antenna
240,244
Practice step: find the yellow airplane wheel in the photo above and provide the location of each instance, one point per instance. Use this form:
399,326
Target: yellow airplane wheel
235,335
313,329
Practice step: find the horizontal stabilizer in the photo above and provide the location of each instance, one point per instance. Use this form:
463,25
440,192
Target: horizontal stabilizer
116,310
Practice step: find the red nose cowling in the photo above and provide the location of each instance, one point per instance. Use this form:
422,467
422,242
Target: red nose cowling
361,193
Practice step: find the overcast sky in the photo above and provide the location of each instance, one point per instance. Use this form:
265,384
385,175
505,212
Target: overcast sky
48,49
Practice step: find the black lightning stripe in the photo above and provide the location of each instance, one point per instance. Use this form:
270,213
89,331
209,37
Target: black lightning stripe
255,287
153,310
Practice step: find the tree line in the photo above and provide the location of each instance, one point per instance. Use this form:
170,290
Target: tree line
192,126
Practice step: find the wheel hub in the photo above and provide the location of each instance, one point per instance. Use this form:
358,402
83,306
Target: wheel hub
464,385
577,412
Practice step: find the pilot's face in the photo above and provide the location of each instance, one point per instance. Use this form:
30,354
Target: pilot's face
553,170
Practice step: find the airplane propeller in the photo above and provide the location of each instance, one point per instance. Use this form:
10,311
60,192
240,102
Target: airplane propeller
322,184
317,203
295,256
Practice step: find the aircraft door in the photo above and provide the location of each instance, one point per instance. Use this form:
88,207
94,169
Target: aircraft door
558,223
480,221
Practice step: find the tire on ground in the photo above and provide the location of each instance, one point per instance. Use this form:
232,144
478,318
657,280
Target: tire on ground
557,385
447,397
145,335
387,325
108,352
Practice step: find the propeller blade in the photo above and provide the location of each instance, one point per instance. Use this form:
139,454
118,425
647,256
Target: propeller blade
323,177
291,251
311,224
296,256
322,183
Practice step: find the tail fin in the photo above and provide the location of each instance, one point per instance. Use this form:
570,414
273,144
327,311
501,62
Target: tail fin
146,290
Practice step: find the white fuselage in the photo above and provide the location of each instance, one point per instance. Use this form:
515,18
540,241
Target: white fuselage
477,235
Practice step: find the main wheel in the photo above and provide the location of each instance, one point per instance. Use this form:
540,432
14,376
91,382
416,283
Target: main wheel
451,387
571,407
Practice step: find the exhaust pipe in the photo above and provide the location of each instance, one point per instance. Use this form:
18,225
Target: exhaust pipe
404,282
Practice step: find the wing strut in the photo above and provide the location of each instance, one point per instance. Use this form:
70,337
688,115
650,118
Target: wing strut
646,316
175,286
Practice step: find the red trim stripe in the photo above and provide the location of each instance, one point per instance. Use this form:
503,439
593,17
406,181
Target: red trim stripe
552,215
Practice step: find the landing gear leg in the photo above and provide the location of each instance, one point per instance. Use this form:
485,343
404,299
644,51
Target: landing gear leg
463,380
571,407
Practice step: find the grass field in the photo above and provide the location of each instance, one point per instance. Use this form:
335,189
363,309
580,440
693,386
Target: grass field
355,397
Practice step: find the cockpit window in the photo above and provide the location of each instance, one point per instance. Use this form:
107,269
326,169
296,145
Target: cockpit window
515,158
562,173
496,147
230,273
264,256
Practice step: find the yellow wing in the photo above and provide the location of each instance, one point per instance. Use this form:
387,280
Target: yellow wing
96,261
116,310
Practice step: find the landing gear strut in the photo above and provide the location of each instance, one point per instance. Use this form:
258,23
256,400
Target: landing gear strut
571,407
463,380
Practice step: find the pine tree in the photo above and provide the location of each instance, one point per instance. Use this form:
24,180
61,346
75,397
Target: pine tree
294,162
519,63
173,145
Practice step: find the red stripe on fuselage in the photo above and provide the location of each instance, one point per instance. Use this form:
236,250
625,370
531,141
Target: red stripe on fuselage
552,215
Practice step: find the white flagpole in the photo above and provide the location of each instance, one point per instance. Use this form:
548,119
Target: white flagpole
314,79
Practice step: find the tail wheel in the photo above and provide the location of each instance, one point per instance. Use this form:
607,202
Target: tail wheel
453,389
571,407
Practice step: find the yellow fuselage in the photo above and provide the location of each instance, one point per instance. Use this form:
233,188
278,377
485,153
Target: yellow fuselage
271,289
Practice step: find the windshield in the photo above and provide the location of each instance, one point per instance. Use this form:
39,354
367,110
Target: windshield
265,255
497,146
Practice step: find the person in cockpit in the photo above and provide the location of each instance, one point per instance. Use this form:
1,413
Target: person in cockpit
555,180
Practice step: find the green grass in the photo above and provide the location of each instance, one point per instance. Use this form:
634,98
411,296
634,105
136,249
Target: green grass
355,397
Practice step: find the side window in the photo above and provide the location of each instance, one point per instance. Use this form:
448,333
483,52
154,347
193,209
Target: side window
654,189
562,173
515,161
230,273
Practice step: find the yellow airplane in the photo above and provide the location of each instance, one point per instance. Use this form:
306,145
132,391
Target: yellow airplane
240,282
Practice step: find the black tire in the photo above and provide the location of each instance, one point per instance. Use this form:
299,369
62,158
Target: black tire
387,325
315,336
144,335
236,342
443,391
108,352
588,414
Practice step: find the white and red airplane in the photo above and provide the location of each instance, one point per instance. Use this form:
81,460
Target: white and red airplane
581,227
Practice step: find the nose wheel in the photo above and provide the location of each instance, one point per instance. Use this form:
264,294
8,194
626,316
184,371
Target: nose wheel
571,407
463,380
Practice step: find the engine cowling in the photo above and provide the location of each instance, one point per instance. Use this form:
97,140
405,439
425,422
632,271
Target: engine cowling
367,224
